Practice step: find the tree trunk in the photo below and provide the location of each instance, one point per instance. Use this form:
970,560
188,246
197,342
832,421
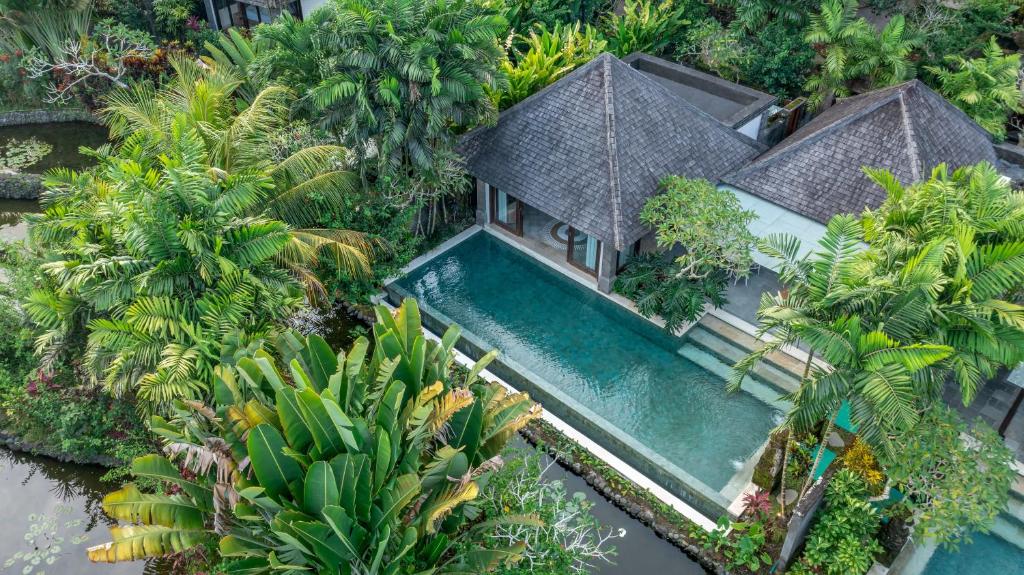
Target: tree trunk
821,452
789,439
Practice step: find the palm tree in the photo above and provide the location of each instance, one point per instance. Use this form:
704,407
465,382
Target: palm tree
986,88
395,78
836,32
205,97
852,51
884,59
157,260
969,222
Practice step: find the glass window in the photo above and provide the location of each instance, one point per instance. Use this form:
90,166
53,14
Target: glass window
506,208
584,250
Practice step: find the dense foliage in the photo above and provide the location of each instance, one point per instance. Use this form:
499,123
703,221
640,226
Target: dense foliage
986,88
354,462
153,261
953,485
842,540
395,78
549,55
922,303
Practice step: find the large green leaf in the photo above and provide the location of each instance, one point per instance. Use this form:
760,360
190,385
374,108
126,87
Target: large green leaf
320,489
295,429
158,467
394,500
320,360
325,434
274,470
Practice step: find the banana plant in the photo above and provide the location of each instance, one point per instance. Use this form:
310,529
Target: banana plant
354,462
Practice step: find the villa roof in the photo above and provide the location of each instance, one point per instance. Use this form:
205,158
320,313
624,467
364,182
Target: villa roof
591,148
907,129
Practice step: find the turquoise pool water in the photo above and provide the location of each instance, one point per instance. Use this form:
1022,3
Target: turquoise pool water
617,364
988,554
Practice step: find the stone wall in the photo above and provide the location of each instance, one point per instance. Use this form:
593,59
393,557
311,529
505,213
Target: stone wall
28,186
20,186
19,117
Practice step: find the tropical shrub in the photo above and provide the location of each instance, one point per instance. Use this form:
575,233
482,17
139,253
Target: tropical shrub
707,221
778,60
647,26
986,88
963,29
523,15
954,483
741,543
860,459
710,226
842,540
754,15
349,463
715,48
549,55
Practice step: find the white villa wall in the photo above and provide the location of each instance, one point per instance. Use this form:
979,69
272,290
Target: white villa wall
752,129
309,5
774,219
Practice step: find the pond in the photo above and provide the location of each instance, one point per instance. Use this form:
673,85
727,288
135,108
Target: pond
52,509
64,499
12,227
65,137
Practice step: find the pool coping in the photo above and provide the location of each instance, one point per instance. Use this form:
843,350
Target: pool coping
726,501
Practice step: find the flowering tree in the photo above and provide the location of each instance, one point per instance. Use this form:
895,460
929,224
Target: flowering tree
711,227
102,55
954,483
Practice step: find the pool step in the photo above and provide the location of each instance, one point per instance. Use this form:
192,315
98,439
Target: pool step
782,361
1015,506
730,353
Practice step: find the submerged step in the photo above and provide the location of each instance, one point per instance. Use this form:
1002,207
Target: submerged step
783,361
731,354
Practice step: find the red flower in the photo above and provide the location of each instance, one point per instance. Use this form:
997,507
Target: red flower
5,58
18,53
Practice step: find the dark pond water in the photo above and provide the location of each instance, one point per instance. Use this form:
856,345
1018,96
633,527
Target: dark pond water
65,137
51,512
640,551
11,212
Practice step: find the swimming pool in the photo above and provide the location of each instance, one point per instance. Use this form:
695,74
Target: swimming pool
987,554
655,400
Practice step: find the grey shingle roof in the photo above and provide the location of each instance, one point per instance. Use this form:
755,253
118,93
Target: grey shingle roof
592,147
907,129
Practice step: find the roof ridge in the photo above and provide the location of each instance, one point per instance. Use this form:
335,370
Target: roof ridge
916,164
613,154
815,137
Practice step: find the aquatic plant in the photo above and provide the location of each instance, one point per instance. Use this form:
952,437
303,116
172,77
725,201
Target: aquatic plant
16,155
